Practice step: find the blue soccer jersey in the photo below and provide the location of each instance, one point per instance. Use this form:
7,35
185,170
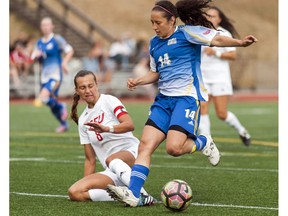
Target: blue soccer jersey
51,59
177,59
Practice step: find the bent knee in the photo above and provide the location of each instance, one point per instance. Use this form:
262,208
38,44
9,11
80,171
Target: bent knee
222,115
173,151
73,194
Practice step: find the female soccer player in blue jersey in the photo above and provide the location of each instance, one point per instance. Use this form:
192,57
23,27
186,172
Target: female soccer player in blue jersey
175,64
48,51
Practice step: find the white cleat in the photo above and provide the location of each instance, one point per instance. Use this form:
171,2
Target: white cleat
123,194
211,151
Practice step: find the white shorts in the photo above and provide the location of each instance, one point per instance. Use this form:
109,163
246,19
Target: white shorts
219,89
117,181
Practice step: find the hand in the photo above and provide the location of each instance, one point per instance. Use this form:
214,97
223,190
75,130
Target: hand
209,51
131,84
36,54
248,40
98,128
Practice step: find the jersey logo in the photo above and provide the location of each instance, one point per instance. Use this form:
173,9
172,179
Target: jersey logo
49,46
207,32
172,41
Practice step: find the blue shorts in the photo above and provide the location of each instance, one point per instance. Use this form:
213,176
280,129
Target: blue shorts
52,86
181,113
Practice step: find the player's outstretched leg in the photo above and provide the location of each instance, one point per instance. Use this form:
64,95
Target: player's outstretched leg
123,194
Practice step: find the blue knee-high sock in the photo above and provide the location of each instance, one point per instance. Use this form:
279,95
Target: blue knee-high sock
138,177
56,108
200,142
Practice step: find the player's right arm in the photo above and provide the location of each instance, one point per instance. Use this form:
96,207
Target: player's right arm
150,77
90,160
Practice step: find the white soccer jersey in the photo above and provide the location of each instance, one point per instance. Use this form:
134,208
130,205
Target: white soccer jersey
214,69
106,111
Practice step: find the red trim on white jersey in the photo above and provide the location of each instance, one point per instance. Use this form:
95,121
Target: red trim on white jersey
119,111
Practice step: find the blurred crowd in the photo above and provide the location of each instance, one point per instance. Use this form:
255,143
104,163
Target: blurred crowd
126,54
20,62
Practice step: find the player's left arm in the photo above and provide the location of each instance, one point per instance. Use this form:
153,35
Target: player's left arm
225,55
68,52
66,59
224,41
90,160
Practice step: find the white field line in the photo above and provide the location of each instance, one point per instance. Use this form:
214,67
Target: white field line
214,168
193,204
154,165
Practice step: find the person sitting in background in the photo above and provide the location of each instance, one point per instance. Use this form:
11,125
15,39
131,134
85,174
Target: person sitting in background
142,68
20,62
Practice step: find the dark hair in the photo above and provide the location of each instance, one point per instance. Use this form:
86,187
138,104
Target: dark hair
226,22
76,97
167,7
191,12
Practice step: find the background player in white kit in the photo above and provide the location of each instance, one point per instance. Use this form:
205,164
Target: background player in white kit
105,132
48,51
217,79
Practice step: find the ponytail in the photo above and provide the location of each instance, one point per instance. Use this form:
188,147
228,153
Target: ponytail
191,12
74,113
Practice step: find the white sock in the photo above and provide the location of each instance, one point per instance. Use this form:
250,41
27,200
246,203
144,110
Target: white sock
233,121
99,195
123,171
204,125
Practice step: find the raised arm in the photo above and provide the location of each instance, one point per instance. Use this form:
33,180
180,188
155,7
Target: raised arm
224,41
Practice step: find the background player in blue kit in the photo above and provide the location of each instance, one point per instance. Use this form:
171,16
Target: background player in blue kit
48,51
175,55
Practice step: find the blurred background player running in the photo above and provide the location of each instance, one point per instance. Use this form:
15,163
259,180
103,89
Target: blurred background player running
48,51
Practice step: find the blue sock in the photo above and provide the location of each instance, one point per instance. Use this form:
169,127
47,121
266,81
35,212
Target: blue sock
200,142
138,177
56,109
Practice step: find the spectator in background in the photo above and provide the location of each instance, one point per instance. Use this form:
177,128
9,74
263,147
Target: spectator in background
142,67
217,79
130,42
98,62
20,62
48,50
119,52
90,61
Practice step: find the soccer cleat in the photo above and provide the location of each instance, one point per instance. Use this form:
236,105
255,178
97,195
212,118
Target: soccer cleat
146,200
123,194
64,113
211,151
245,138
